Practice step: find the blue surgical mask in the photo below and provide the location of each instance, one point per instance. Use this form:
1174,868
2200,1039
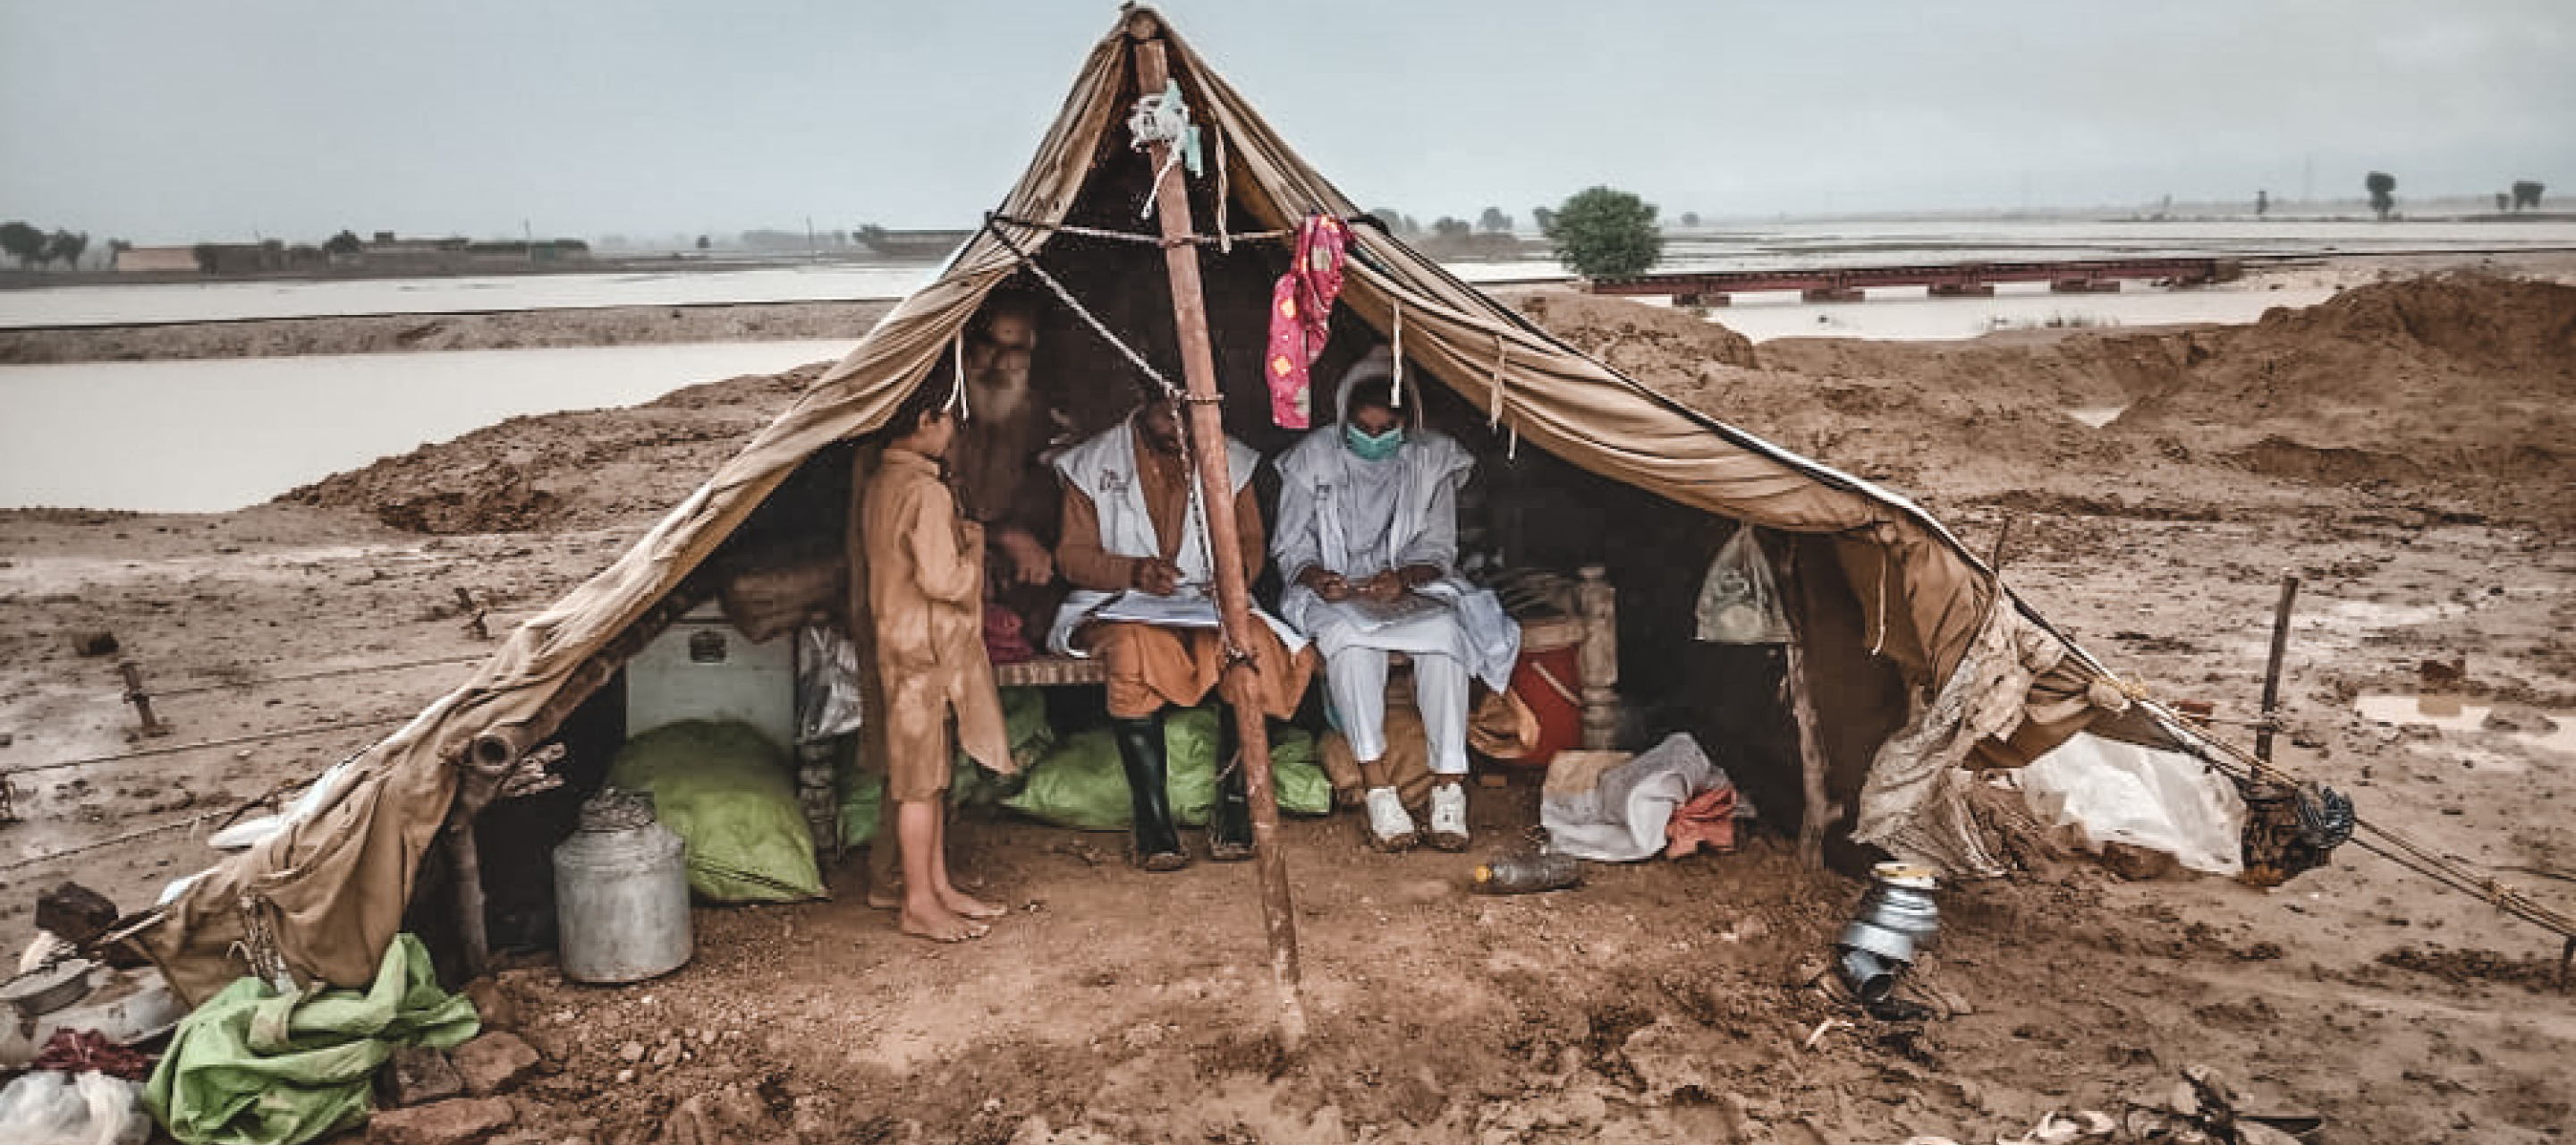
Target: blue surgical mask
1373,446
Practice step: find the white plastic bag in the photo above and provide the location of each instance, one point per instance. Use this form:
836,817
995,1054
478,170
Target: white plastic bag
1738,604
48,1108
2114,791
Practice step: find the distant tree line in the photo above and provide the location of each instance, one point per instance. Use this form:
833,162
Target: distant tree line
32,246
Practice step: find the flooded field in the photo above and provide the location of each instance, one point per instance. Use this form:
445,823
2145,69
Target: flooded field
206,436
1784,245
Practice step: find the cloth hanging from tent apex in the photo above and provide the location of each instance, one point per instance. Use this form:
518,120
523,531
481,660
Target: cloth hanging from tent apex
1301,317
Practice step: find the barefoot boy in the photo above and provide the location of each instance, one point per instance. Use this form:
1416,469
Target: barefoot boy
925,569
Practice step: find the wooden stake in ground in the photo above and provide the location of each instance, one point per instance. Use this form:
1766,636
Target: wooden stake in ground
2272,668
1818,815
1206,425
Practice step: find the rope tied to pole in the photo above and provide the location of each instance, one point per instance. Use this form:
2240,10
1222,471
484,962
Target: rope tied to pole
1163,118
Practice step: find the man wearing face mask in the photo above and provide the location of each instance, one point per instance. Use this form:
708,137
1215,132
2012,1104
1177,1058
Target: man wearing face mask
1368,542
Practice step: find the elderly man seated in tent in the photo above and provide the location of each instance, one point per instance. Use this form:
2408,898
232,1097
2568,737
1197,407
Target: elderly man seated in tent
1137,551
1368,541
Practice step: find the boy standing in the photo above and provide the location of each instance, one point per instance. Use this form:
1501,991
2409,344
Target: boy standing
925,573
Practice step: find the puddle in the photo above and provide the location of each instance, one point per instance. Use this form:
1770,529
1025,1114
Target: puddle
2096,416
2451,713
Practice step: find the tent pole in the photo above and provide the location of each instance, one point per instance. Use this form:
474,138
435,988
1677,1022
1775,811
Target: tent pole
1818,814
1206,425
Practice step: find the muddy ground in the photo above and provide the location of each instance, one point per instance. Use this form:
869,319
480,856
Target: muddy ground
2416,479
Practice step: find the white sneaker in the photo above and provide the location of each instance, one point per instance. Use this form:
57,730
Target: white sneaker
1390,829
1449,816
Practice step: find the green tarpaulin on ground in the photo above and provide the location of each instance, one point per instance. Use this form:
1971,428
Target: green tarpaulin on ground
256,1067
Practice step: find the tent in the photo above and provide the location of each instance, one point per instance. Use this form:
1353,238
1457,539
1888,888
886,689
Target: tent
1918,658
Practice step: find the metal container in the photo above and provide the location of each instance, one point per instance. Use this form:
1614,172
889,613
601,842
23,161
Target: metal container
621,893
1894,920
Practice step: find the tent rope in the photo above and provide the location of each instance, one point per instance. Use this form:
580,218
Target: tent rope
1397,383
2236,763
1170,392
1065,296
1222,240
1164,118
957,365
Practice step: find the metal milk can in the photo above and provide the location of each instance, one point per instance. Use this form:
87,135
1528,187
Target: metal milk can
621,893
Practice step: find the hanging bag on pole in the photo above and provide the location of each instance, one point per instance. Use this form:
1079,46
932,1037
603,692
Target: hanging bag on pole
1738,603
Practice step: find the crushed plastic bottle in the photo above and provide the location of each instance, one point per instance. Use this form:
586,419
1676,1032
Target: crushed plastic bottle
1523,874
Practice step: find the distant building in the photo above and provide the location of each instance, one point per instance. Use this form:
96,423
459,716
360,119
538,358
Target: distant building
154,259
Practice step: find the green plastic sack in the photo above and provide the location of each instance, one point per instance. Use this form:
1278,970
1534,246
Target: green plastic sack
862,795
1082,784
862,791
1031,737
256,1067
724,788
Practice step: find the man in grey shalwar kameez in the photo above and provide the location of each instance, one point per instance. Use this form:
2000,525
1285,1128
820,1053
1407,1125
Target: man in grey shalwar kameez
1368,542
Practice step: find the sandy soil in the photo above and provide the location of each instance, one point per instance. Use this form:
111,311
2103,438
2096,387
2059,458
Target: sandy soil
1658,1002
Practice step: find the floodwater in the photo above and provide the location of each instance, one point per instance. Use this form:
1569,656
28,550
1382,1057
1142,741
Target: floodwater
1907,313
1751,246
2453,714
214,435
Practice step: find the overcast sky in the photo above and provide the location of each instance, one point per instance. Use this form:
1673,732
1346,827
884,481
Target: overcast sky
172,120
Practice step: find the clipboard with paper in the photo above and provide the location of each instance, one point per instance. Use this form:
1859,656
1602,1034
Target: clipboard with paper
1184,610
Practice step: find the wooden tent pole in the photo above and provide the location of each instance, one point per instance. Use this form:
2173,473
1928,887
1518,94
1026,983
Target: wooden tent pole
1206,424
1817,816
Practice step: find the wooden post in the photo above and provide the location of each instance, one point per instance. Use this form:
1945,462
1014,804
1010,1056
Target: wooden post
1818,815
142,700
2272,668
1597,663
1206,425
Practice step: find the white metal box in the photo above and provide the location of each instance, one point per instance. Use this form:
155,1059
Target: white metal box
701,669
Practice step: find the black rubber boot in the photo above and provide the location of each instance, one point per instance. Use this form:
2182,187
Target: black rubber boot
1140,747
1230,821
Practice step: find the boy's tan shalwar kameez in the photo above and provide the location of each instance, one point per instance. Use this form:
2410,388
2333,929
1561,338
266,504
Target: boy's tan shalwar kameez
925,586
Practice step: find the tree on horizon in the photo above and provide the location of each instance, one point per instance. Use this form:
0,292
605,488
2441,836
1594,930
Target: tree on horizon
2383,192
1604,231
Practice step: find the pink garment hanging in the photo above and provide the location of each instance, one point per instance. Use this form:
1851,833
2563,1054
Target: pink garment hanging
1301,316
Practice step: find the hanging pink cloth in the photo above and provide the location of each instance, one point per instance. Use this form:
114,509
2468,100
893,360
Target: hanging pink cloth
1301,317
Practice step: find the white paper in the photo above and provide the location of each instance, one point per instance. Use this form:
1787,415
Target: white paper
1184,611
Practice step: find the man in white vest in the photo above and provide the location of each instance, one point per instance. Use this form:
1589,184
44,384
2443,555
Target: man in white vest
1136,549
1368,543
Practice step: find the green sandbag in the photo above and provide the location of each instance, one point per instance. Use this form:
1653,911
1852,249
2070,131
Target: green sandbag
1079,785
862,795
1082,784
255,1067
723,788
1297,774
1024,725
1030,736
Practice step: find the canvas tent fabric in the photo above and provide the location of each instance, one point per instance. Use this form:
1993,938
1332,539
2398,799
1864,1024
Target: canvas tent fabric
332,887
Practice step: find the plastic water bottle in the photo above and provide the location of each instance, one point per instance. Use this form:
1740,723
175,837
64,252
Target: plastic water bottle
1522,874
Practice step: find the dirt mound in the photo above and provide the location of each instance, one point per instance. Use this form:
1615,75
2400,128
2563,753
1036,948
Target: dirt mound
2451,388
1609,328
566,470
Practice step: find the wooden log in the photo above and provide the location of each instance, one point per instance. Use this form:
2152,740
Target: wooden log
1206,426
470,930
